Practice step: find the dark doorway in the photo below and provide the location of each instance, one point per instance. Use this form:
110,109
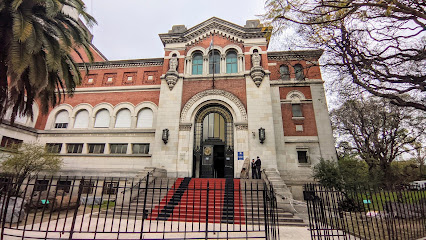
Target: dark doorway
219,161
213,143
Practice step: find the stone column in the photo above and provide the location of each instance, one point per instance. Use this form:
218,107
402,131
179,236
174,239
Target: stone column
168,115
259,112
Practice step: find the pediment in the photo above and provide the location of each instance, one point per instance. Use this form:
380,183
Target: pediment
214,26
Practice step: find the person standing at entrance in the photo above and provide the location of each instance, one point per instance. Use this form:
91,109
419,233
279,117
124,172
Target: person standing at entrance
253,170
258,164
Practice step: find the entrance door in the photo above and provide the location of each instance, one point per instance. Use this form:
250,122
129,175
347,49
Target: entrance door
213,143
207,162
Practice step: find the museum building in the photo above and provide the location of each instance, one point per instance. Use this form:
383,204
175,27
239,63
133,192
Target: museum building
215,98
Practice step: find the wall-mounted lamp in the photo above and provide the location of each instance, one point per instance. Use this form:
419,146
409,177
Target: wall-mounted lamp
262,135
165,135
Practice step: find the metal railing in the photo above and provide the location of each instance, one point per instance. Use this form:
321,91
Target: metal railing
365,212
123,208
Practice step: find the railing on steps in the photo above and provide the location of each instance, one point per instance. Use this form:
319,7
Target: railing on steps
122,208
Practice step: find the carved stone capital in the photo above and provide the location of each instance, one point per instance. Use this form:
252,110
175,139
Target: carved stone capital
171,79
257,74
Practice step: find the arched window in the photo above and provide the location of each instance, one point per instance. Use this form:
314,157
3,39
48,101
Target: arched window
62,119
102,119
123,119
197,64
298,70
214,62
231,62
214,126
145,117
82,119
284,72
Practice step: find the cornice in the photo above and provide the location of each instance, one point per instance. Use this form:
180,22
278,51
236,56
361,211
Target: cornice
122,63
295,55
211,26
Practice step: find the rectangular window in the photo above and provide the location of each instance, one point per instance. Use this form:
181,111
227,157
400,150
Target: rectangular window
87,187
118,148
8,142
64,186
41,185
302,156
110,188
140,148
61,125
54,147
74,147
297,110
96,148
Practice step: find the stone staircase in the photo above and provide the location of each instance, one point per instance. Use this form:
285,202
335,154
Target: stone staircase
231,201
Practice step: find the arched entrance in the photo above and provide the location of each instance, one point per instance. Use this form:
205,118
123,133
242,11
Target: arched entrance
213,143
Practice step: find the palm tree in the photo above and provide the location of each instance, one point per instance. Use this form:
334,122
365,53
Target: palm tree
37,40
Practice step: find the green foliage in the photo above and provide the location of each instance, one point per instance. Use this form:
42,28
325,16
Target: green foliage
31,159
328,174
38,39
353,171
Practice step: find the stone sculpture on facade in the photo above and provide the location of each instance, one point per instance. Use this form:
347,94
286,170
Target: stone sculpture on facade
257,73
172,75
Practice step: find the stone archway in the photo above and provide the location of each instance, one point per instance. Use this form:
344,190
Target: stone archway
213,152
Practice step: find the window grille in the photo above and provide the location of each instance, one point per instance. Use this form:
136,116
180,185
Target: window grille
96,148
118,148
74,147
140,148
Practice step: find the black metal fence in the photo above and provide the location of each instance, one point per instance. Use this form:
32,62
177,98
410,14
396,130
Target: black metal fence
365,212
148,208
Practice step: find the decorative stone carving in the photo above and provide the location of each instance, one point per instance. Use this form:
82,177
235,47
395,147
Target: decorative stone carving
210,92
257,74
173,63
242,127
171,79
185,127
255,59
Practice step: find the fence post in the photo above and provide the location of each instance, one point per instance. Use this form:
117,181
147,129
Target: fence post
80,190
207,212
3,213
265,210
144,202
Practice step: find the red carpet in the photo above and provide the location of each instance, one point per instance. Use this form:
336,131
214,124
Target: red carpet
193,204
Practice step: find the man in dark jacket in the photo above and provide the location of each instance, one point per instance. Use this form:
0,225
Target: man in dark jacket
253,170
258,164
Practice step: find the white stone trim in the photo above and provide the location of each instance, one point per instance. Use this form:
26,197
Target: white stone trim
109,107
150,105
171,54
258,49
232,47
50,123
196,49
295,96
228,99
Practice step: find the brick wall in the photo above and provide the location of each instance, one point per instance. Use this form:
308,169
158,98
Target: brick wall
234,86
289,124
140,76
310,71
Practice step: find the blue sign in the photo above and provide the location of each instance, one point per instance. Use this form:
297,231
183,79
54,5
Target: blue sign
366,201
240,155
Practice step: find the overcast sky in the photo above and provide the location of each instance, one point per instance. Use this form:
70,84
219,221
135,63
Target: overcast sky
128,29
